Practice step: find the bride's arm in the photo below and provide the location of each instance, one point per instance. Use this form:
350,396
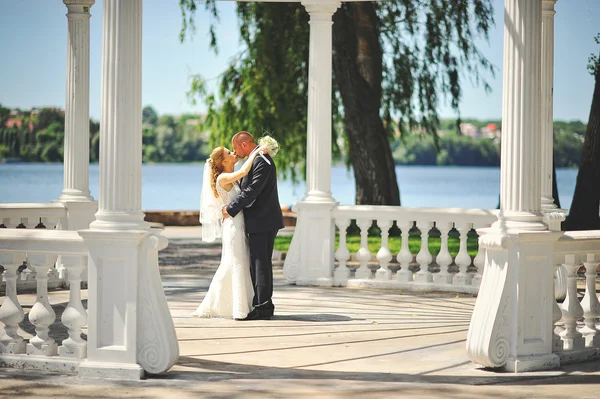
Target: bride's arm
228,178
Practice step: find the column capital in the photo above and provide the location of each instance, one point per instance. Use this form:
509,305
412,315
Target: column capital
548,7
321,10
79,8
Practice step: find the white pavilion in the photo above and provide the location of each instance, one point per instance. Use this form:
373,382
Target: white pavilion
517,324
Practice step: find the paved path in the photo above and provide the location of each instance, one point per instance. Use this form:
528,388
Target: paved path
323,343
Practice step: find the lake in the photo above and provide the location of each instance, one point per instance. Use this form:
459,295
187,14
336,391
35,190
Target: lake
177,186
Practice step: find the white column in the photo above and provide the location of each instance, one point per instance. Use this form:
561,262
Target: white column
520,186
552,216
120,197
318,149
77,112
311,255
130,329
512,323
547,101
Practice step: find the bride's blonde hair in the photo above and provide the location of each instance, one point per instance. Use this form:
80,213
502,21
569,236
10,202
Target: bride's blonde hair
216,163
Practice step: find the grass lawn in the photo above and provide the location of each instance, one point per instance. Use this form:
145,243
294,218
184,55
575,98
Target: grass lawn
374,243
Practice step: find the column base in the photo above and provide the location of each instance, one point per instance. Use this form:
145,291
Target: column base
71,195
511,222
80,213
311,253
120,371
511,325
522,364
121,221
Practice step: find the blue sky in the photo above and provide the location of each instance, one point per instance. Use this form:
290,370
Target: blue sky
33,41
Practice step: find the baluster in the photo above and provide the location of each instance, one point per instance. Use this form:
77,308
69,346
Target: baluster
560,283
571,308
384,255
557,343
590,304
41,314
341,274
25,223
404,257
424,257
443,259
28,273
463,260
479,263
363,254
11,313
74,316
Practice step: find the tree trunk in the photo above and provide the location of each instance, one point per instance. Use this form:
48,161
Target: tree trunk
583,214
555,186
357,66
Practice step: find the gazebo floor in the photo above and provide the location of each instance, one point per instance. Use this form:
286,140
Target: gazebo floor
323,342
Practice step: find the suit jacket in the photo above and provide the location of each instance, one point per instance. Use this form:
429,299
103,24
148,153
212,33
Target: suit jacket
259,198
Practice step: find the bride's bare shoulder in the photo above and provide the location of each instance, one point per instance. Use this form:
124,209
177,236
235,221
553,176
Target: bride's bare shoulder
227,187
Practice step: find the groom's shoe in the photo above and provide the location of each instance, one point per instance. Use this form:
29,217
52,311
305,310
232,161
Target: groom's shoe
255,315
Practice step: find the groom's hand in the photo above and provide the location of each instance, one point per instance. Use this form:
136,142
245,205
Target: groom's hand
224,212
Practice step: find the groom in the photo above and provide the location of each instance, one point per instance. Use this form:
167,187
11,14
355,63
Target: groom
262,213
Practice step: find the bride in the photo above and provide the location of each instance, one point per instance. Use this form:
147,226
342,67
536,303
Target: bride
230,293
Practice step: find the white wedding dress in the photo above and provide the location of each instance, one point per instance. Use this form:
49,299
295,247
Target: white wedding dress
230,293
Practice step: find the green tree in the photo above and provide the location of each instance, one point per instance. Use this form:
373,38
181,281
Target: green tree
393,62
584,212
149,116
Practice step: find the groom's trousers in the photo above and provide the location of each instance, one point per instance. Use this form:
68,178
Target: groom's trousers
261,270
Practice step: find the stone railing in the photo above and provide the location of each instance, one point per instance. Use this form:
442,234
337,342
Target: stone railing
576,337
29,216
445,271
49,216
42,248
51,338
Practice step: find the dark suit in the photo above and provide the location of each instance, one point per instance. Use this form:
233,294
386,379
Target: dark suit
263,217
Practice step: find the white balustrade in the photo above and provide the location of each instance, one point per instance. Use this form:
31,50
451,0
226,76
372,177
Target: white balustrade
443,258
74,316
424,257
590,303
404,255
341,274
478,262
30,215
41,314
463,260
42,248
11,312
557,344
577,327
363,255
571,308
384,255
405,218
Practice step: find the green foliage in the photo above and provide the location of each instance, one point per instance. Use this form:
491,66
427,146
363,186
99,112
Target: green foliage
265,88
594,60
164,139
467,151
453,150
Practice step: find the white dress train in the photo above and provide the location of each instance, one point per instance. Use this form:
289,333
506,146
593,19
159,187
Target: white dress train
230,293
